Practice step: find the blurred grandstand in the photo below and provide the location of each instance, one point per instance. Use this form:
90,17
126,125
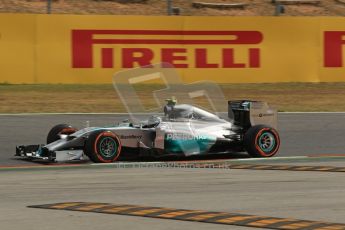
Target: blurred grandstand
182,7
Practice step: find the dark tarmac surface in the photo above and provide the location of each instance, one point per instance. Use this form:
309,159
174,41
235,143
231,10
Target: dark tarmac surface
301,133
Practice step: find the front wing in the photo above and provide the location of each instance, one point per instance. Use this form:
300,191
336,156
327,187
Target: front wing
38,152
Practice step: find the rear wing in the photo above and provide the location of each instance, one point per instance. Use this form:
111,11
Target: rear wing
246,113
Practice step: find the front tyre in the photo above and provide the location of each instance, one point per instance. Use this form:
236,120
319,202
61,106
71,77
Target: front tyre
261,141
103,147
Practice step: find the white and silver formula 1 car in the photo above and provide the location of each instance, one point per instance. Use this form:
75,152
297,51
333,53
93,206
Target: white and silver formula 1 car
183,130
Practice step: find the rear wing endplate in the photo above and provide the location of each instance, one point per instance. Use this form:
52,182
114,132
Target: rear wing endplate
246,113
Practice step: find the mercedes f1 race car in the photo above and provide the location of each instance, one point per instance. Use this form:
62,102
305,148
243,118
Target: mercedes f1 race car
183,130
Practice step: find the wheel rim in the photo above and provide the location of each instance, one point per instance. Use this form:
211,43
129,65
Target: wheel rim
267,142
108,147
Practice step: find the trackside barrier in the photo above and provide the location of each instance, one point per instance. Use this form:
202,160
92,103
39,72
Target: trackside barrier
90,49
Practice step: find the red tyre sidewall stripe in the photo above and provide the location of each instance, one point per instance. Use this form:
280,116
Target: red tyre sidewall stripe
107,134
262,153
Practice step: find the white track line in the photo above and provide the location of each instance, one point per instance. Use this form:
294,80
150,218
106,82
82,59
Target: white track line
43,114
311,112
209,161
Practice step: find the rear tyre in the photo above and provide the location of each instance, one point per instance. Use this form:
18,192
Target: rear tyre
57,130
261,141
103,147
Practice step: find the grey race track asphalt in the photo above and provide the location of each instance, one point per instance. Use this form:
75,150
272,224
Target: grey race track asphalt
301,133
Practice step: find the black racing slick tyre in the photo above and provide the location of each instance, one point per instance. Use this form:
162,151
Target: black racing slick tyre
261,141
103,147
54,133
